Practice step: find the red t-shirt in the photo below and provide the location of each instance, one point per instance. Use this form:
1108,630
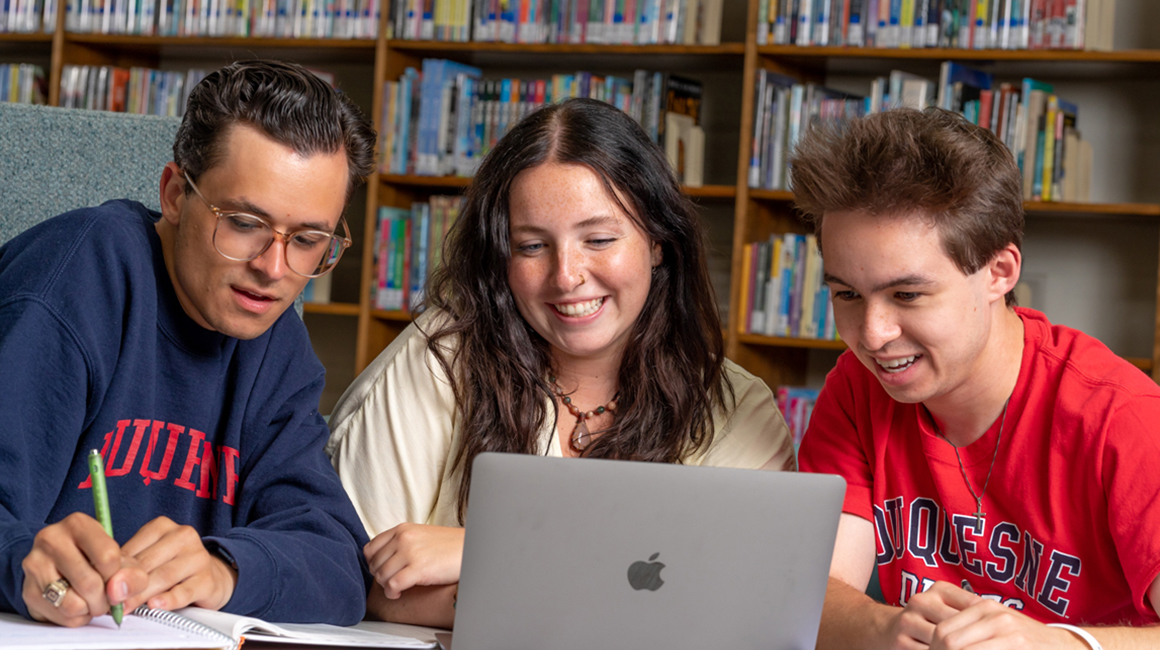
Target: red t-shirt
1071,533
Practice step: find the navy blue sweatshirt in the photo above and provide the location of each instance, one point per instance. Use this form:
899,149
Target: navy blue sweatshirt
213,432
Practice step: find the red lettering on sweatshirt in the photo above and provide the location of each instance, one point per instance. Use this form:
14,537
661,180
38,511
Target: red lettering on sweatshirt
192,458
207,489
131,455
162,472
88,482
230,462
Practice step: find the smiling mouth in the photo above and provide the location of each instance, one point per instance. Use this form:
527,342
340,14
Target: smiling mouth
580,309
898,365
253,296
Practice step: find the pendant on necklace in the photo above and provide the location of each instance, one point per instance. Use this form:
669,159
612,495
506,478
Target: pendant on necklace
580,436
979,514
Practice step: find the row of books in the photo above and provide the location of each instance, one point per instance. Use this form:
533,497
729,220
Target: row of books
341,19
132,90
1038,127
27,16
966,24
317,290
444,120
23,83
627,22
410,246
796,404
782,291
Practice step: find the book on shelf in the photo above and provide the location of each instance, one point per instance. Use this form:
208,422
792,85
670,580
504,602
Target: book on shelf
796,404
133,90
444,119
1040,128
410,247
682,134
317,290
639,22
782,289
27,16
338,19
964,24
23,83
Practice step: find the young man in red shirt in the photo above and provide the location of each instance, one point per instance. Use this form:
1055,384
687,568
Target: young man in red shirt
1000,469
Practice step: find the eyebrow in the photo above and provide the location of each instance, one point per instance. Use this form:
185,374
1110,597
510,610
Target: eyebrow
602,220
244,205
905,281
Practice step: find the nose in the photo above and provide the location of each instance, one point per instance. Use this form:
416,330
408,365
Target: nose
569,272
879,326
272,262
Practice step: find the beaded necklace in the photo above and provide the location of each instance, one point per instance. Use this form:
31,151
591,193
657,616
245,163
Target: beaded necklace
581,437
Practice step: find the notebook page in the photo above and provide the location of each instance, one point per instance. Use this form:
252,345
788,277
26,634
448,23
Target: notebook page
300,633
101,634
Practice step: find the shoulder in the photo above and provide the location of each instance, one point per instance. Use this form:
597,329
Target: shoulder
407,364
1078,367
78,248
748,431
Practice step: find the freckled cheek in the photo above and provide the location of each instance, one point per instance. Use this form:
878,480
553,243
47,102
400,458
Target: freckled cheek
526,278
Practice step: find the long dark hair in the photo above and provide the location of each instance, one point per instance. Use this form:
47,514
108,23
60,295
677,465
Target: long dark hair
671,374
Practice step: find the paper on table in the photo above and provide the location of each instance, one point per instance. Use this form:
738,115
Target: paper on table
314,633
101,634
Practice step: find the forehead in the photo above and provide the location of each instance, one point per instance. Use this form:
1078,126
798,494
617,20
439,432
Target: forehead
861,248
256,173
559,194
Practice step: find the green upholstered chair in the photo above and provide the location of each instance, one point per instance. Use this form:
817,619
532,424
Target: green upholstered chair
53,160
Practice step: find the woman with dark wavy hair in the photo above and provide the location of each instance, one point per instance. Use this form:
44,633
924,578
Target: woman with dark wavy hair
573,317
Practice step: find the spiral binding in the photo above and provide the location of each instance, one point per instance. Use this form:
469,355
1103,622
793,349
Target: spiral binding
175,620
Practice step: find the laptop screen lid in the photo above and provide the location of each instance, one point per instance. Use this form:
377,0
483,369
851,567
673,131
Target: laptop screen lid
580,553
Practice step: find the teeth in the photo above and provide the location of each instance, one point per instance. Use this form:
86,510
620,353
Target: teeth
897,365
580,309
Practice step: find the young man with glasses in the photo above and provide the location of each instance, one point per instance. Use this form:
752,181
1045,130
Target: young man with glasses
163,341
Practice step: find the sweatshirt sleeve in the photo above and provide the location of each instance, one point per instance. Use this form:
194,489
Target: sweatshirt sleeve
44,386
297,542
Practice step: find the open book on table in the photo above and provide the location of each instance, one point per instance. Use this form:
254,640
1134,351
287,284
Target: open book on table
193,627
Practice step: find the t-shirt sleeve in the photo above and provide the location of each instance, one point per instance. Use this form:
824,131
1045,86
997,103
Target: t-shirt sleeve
1131,456
391,436
753,435
833,444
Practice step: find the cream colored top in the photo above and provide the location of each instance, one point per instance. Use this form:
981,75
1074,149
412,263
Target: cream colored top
395,432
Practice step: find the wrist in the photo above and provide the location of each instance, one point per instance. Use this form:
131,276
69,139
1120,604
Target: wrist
1086,639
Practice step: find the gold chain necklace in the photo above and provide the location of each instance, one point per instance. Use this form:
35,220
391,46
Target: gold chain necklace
979,514
581,437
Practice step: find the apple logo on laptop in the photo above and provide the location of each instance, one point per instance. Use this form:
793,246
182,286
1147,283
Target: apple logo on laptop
646,575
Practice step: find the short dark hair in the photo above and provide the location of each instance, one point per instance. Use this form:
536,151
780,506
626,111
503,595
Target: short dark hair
672,373
285,102
932,163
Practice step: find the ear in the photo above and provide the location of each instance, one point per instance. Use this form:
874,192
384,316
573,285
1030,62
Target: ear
172,193
1003,271
656,255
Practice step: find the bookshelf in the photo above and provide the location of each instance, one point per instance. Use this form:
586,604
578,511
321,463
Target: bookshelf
349,332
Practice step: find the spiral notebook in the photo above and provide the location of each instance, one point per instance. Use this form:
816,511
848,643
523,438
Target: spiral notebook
196,628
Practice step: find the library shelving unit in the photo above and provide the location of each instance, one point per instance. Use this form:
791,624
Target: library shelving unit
349,333
760,213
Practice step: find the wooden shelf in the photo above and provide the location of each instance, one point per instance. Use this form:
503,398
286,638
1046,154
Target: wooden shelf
392,315
941,54
710,191
425,181
1031,207
247,42
724,49
332,308
784,342
20,37
456,182
1123,209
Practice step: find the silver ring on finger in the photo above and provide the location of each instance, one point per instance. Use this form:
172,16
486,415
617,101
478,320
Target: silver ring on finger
56,591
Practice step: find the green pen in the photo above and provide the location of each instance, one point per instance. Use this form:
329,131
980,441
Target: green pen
101,505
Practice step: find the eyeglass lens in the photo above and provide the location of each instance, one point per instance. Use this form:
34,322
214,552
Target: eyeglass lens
308,252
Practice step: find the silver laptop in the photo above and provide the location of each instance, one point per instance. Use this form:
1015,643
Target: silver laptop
594,554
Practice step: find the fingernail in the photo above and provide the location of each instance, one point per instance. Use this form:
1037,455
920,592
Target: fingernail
122,590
